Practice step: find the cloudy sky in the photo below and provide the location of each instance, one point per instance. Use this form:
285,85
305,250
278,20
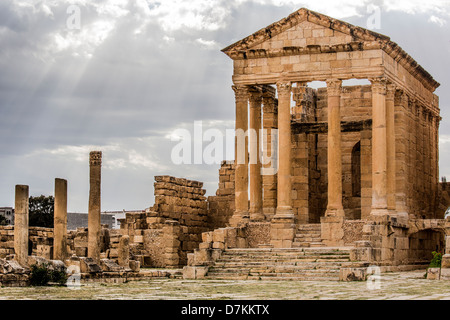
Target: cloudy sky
132,72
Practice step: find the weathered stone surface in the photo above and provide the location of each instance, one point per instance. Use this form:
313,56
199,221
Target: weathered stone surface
110,266
434,273
353,274
88,265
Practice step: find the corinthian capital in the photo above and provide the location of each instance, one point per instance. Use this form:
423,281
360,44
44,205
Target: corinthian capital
334,87
95,158
378,85
390,91
284,88
241,93
255,96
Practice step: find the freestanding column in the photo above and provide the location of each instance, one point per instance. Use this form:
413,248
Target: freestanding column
255,159
334,207
94,223
390,148
241,215
21,225
282,228
284,205
60,220
379,148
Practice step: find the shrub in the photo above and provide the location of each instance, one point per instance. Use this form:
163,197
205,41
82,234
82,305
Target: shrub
437,260
42,275
39,275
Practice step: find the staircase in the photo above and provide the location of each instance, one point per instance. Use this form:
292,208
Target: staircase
308,235
301,264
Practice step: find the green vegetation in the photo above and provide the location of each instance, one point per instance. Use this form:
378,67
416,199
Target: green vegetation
43,275
41,211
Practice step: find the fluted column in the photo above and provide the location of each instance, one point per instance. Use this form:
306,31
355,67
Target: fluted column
255,159
334,207
60,220
94,217
379,148
241,215
284,205
390,147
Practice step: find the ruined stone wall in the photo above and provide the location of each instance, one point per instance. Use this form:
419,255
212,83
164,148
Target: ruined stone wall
40,241
165,233
444,199
221,206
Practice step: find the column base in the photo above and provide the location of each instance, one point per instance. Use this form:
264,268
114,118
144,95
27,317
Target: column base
332,231
445,264
239,219
379,212
282,229
257,216
284,213
331,212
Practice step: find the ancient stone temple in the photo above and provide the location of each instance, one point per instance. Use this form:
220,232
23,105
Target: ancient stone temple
345,152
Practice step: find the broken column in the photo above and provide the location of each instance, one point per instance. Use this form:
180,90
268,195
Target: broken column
94,222
60,220
124,252
21,225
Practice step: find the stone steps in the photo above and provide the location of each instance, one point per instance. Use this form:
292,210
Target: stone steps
308,235
301,264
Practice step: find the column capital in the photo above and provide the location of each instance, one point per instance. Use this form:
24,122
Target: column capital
95,158
390,91
379,85
241,92
334,87
255,96
284,88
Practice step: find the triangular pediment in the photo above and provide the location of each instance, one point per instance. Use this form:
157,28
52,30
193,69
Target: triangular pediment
301,29
306,31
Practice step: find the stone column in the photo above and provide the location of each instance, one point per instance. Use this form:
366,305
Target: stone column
334,208
241,215
284,202
402,120
255,159
282,225
60,221
124,252
270,151
94,217
379,148
390,148
21,225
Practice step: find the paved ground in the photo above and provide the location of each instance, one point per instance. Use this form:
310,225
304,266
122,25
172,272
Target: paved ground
392,286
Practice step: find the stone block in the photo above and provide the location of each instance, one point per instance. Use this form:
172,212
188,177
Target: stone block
193,273
445,261
110,266
361,254
135,266
445,274
434,273
353,274
88,265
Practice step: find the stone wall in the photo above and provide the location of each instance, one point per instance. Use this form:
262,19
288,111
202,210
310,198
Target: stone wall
444,199
40,241
165,233
353,231
221,206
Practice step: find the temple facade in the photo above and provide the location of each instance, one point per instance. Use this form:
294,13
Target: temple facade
343,152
